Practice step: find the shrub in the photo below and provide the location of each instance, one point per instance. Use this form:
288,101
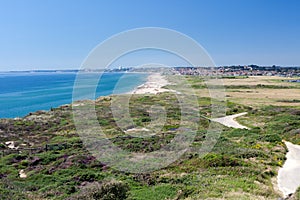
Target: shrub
218,160
112,190
271,138
10,191
296,195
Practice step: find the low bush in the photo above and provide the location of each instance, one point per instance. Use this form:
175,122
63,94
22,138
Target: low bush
111,190
218,160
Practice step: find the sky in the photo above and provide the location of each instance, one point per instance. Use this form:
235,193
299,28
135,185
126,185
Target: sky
60,34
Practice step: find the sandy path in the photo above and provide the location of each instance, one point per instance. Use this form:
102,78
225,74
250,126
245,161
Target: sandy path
230,122
288,176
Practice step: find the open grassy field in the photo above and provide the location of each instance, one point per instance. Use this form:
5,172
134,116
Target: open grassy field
255,91
243,164
263,91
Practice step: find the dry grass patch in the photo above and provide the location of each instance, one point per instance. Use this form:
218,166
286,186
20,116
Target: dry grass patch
263,80
244,91
278,97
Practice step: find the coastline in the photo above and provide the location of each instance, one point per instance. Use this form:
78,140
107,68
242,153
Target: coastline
43,97
154,85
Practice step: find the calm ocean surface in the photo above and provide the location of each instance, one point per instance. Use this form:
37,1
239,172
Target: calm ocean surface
21,93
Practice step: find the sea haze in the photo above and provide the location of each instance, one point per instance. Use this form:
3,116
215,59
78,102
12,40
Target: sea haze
22,93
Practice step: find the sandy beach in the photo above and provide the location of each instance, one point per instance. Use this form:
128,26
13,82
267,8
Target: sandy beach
154,85
288,176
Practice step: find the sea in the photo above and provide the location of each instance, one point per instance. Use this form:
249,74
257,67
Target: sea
25,92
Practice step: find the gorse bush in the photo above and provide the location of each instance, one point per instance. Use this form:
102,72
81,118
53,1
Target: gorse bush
217,160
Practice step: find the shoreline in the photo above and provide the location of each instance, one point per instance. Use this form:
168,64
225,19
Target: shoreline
154,85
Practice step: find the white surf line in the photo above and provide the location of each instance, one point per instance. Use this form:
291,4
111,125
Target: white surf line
230,122
288,178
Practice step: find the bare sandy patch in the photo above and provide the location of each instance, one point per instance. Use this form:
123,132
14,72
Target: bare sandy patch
229,121
22,174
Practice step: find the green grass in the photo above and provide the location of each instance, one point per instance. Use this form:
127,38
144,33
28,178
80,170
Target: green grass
157,192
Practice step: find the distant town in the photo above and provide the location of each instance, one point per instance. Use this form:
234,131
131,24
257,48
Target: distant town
238,70
248,70
234,70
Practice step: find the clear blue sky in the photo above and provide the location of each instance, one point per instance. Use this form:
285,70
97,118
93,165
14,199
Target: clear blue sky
59,34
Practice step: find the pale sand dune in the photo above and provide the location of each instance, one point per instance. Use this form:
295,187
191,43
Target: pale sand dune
230,122
288,176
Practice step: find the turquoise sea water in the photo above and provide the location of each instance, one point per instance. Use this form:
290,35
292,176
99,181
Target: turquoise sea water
21,93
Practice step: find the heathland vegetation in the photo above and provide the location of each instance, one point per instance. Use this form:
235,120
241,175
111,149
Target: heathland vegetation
54,163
